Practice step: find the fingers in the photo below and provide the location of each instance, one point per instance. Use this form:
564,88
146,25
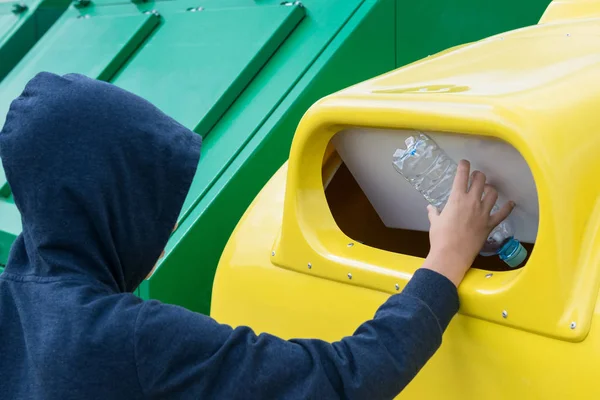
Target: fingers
489,198
477,184
461,181
432,213
502,214
477,189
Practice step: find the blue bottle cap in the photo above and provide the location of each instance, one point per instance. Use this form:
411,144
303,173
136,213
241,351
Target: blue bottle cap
513,253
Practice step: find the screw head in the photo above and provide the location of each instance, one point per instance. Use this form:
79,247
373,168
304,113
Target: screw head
350,244
81,3
19,8
397,286
309,265
487,276
573,325
504,314
273,254
349,275
568,34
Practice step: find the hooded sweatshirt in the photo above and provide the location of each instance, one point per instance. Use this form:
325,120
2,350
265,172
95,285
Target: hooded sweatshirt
99,176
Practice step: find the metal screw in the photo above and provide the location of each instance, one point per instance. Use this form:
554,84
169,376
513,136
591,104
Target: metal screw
489,276
194,9
292,3
82,3
86,16
349,275
504,314
350,244
153,12
19,8
397,286
309,265
273,253
568,34
573,325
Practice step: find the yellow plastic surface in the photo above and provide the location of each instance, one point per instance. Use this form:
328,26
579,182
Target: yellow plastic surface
537,89
571,9
478,360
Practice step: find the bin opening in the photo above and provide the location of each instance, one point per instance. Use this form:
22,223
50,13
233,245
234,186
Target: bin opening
371,203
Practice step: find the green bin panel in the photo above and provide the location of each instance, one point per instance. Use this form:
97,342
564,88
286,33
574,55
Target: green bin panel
11,227
17,34
7,22
4,189
22,24
96,47
11,219
186,274
199,62
425,27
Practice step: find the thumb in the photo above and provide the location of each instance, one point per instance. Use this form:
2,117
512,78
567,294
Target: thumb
432,213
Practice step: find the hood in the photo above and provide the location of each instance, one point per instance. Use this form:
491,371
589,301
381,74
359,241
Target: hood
99,176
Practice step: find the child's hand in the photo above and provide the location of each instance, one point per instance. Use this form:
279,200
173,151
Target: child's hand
459,232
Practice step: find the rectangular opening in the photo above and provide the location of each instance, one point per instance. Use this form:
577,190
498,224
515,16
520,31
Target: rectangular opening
373,204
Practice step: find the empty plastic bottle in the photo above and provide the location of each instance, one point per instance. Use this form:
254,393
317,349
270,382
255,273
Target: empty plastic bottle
431,171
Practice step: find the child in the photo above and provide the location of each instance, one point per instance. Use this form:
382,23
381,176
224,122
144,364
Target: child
99,176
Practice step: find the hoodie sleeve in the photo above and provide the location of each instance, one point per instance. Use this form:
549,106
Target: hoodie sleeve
180,354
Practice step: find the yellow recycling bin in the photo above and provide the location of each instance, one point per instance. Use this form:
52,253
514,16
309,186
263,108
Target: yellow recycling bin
337,230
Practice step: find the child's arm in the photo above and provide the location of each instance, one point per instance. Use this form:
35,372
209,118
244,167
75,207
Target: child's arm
180,354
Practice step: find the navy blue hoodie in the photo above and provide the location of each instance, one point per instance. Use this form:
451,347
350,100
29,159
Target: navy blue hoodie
99,176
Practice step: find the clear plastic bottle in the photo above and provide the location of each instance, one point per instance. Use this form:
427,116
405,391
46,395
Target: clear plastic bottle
431,171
